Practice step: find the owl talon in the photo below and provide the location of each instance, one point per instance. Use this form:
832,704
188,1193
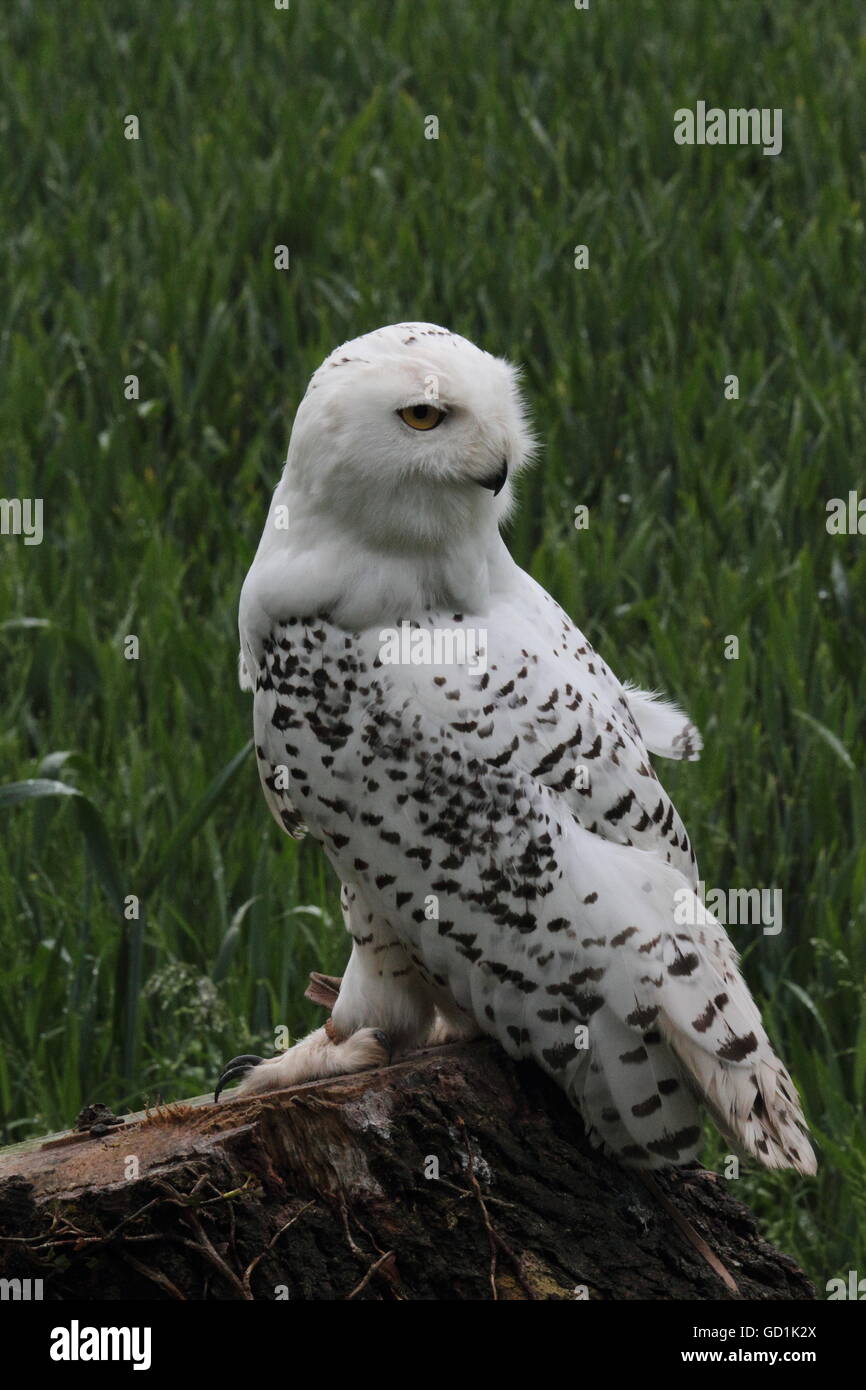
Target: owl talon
234,1070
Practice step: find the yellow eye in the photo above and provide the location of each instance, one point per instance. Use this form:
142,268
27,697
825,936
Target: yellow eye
422,417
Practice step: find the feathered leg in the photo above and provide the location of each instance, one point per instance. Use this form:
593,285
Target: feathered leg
382,1006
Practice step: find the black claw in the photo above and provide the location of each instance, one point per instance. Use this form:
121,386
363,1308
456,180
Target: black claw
234,1070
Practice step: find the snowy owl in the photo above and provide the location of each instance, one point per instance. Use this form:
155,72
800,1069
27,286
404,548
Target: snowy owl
478,777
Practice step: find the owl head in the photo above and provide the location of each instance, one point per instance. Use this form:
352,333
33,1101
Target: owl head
406,437
400,469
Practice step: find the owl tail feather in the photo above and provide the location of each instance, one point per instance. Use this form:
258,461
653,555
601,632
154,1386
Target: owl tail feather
755,1107
671,975
713,1026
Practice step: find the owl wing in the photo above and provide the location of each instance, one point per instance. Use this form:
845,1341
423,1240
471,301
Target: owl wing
548,704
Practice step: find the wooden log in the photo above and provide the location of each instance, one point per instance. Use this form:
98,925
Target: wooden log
453,1174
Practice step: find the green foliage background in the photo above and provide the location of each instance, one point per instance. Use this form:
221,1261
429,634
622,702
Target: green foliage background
155,257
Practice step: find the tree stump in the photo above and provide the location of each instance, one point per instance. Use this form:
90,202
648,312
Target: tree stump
452,1174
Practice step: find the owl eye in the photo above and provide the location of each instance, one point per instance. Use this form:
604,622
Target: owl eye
422,417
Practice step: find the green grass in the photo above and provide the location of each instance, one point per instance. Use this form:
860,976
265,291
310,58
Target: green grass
155,257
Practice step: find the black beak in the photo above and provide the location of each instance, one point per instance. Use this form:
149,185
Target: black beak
496,483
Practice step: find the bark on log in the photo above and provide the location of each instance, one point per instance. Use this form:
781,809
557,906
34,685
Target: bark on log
328,1191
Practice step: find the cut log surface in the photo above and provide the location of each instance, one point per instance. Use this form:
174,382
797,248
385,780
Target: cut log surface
452,1174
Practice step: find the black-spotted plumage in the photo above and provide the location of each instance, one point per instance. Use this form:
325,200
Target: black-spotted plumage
554,903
